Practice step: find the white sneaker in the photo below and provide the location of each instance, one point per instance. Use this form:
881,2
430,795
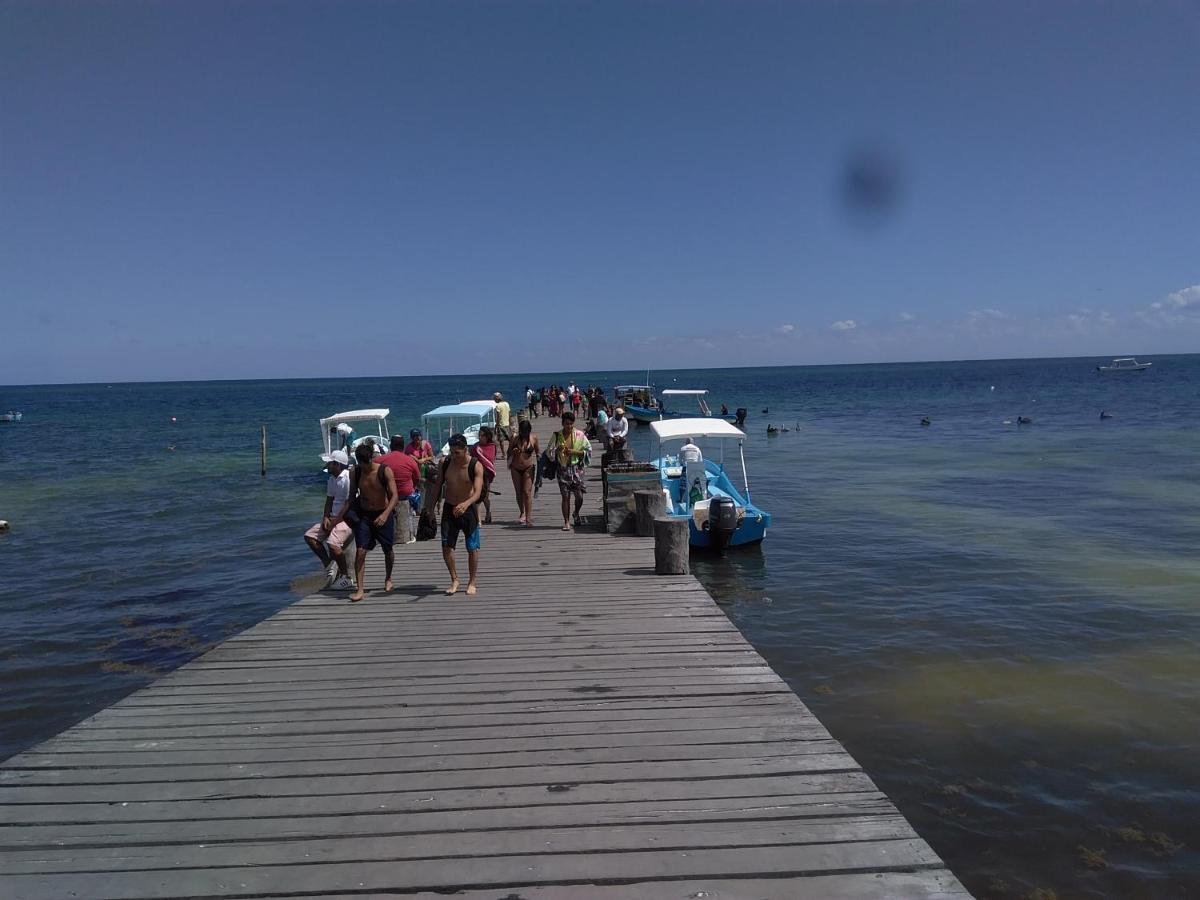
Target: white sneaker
345,583
331,574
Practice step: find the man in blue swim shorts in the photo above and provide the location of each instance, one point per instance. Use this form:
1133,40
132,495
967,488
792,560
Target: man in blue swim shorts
461,478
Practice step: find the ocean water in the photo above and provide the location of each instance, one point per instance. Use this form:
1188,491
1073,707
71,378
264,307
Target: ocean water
1000,621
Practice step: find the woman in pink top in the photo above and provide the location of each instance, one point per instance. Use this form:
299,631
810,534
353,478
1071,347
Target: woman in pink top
485,452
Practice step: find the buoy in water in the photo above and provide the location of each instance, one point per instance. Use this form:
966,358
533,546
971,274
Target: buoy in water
3,524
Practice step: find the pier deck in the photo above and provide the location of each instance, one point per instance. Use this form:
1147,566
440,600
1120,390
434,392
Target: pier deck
580,729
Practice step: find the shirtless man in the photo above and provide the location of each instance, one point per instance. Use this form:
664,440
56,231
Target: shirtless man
462,479
373,497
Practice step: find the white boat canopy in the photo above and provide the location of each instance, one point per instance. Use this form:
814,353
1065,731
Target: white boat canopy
354,415
680,392
634,387
474,409
675,429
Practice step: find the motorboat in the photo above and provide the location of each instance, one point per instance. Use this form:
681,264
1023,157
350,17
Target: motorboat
700,490
11,416
1125,364
458,418
670,395
639,402
364,425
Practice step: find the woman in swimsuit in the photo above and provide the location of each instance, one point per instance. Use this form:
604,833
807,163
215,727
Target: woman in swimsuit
522,464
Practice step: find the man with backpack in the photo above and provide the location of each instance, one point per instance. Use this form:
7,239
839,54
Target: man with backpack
572,450
372,500
461,477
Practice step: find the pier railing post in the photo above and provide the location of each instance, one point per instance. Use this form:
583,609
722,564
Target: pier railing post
648,505
671,546
264,451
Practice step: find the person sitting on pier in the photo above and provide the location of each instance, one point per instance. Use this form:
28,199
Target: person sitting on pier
329,536
419,448
462,480
372,500
618,429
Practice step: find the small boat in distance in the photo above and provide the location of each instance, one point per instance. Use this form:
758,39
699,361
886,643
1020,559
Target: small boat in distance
1124,364
670,394
458,418
10,416
639,402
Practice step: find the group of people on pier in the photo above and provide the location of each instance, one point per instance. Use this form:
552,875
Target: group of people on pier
369,499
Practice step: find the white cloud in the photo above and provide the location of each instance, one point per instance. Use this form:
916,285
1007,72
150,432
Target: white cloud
906,317
1177,308
785,329
844,325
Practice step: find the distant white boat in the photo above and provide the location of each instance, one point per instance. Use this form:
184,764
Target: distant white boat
1124,364
10,416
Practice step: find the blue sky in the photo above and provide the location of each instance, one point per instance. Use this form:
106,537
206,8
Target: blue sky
276,189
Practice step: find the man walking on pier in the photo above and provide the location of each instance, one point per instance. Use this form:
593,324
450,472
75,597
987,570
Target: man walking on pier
408,482
332,530
462,480
571,449
503,422
373,497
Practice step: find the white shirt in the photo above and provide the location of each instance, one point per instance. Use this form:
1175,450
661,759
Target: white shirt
690,453
338,487
618,426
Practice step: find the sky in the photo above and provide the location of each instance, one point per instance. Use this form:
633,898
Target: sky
257,189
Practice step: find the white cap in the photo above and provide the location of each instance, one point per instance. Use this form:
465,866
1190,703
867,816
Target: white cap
344,428
337,456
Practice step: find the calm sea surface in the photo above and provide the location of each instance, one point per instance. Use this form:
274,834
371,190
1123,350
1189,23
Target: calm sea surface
1000,622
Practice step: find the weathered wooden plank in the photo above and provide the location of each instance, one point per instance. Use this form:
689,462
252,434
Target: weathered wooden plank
410,779
816,807
479,871
383,847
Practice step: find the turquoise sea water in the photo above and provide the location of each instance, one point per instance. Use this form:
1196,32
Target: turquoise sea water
1000,622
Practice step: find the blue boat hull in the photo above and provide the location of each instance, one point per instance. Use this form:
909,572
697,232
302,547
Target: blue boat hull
753,526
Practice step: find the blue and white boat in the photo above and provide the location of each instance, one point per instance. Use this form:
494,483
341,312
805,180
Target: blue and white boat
458,418
700,490
10,416
639,402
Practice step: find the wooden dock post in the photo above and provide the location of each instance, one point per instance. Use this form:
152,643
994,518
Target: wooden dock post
264,451
648,505
671,546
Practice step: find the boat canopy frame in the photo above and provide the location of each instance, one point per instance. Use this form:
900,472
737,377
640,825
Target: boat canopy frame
329,425
666,430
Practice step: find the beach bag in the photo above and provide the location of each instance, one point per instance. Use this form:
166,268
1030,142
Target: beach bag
547,466
427,526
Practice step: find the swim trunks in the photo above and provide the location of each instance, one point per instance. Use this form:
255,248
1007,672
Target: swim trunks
467,523
366,532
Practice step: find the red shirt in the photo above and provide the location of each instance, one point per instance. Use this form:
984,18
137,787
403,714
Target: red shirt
419,448
406,470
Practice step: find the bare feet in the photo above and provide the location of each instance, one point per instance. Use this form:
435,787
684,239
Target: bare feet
566,527
470,589
387,586
453,589
357,595
522,521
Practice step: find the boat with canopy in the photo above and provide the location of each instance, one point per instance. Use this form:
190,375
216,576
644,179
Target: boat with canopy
700,489
361,424
458,418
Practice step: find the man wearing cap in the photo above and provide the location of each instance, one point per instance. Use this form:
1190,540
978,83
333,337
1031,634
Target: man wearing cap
618,429
332,529
347,438
503,428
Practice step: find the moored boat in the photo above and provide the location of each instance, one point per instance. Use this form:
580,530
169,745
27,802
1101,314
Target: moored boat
11,416
346,430
700,490
458,418
638,401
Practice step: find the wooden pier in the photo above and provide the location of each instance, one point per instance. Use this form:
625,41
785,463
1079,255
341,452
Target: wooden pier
580,729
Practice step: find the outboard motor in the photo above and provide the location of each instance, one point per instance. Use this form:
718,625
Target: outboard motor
741,417
722,522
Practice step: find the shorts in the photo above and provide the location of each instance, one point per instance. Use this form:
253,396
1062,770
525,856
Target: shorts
504,431
570,480
366,532
335,539
467,523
